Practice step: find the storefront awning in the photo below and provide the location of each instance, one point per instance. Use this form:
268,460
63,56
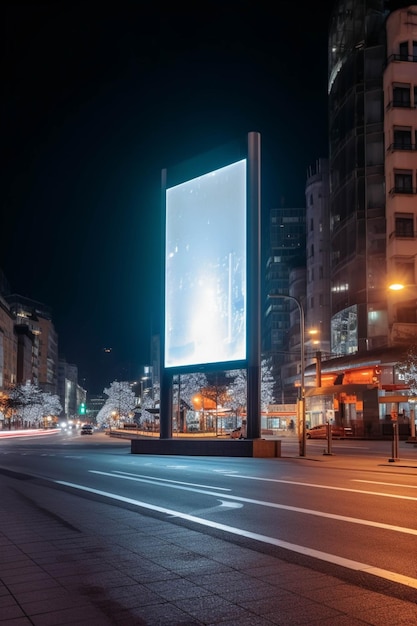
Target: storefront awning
334,389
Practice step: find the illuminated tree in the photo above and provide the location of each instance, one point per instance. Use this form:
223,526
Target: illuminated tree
28,405
188,385
119,406
408,368
237,391
237,396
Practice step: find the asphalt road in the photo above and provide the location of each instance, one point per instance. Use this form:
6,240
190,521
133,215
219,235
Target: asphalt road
353,510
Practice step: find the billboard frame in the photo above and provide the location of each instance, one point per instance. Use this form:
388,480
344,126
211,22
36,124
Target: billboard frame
251,153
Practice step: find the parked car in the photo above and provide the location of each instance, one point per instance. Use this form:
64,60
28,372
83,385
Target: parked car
86,429
320,432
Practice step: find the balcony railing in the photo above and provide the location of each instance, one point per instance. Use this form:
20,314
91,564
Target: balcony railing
402,234
402,146
408,58
403,190
402,104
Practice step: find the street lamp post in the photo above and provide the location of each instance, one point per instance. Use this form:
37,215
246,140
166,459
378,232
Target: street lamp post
400,287
302,433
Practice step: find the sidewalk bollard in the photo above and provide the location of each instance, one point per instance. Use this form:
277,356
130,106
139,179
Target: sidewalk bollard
394,456
329,440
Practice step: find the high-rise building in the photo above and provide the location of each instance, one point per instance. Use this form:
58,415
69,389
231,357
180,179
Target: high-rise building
371,229
317,301
400,130
357,55
286,252
36,317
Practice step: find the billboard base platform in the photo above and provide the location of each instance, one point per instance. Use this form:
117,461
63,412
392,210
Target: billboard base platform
259,448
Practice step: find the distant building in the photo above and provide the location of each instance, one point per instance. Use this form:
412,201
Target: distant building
72,396
8,347
287,248
36,318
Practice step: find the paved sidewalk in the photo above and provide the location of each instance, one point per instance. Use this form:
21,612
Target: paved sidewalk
66,561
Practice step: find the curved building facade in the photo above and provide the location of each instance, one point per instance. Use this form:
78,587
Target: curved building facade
356,164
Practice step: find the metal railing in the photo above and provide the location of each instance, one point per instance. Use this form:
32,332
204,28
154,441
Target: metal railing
401,145
408,58
403,234
400,104
402,190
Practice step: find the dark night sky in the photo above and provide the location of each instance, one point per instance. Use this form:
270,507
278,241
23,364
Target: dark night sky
99,97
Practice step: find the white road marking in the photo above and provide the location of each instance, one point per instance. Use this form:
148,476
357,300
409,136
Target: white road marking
377,482
271,505
323,556
167,480
293,482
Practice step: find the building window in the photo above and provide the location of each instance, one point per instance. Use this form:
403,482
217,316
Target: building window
403,182
404,226
406,315
404,51
415,96
401,96
312,250
404,273
414,51
311,224
402,139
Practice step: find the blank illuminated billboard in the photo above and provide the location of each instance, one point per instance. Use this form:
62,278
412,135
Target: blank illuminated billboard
205,268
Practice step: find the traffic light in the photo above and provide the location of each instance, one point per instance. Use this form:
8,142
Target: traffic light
82,408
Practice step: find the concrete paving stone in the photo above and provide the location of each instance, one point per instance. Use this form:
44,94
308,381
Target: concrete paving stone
358,603
19,621
189,568
35,607
257,591
56,570
269,568
339,620
202,566
21,587
46,593
250,620
143,598
223,581
71,616
310,586
24,575
158,615
176,589
35,548
124,603
304,613
284,600
143,575
10,549
332,591
217,608
11,611
390,612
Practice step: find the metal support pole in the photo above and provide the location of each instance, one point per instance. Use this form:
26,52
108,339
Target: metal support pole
395,456
329,440
412,423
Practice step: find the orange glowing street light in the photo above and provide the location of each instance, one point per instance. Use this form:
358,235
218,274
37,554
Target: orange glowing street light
396,287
